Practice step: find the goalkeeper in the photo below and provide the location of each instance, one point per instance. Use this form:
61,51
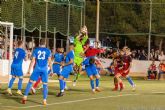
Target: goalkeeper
79,42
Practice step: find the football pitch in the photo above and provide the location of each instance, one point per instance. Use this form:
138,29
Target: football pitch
149,95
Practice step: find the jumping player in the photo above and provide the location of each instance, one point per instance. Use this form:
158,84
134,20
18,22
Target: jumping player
67,69
79,41
16,68
42,57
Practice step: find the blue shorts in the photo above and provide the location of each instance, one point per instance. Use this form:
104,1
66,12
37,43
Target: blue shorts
40,72
16,71
56,69
91,70
66,72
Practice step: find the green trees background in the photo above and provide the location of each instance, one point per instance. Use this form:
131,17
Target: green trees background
121,19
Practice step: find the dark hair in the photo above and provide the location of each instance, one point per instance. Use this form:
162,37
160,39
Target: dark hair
92,60
19,43
71,44
42,41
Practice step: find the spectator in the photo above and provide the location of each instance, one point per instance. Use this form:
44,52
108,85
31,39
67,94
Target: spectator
152,72
143,55
161,69
161,56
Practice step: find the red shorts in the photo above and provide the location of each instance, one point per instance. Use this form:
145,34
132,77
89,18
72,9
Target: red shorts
119,71
124,74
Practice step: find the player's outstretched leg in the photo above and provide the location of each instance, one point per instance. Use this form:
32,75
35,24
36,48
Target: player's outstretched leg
115,84
45,93
19,92
97,83
33,89
27,90
10,85
61,82
131,82
78,71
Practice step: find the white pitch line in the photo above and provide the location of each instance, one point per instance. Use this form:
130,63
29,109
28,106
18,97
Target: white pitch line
74,101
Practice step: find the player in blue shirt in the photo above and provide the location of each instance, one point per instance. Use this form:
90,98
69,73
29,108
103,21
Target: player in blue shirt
67,69
42,58
58,59
16,68
92,71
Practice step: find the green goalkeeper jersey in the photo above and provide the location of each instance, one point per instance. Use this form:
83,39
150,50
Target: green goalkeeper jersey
79,49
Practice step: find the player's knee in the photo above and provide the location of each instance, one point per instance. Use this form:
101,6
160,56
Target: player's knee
13,76
31,81
61,77
21,77
91,78
44,83
98,76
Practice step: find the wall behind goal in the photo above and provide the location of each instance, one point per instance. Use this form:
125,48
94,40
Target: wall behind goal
138,67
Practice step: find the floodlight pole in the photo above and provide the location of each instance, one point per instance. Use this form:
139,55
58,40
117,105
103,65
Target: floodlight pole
150,30
23,25
54,46
97,20
68,31
81,18
84,11
46,22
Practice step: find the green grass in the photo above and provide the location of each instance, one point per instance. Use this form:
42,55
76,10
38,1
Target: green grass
150,95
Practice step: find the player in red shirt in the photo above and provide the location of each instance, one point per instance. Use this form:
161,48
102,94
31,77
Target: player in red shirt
118,68
127,60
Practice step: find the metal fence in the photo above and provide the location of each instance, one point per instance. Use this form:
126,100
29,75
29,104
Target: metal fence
50,16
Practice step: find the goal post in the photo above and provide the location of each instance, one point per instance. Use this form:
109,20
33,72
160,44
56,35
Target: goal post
8,33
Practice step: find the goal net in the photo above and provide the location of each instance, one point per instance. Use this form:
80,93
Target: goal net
6,49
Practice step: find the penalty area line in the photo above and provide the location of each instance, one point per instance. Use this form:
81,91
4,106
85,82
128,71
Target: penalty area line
74,101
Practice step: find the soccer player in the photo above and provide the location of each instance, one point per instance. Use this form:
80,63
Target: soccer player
42,57
79,41
16,68
118,69
127,60
67,69
92,71
58,59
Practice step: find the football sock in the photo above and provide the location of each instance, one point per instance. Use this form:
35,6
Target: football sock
77,76
28,87
121,84
97,82
45,91
61,85
64,84
20,84
92,84
37,83
11,82
130,81
116,86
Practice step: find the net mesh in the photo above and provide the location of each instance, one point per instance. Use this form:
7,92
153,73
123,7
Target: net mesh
32,14
11,12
